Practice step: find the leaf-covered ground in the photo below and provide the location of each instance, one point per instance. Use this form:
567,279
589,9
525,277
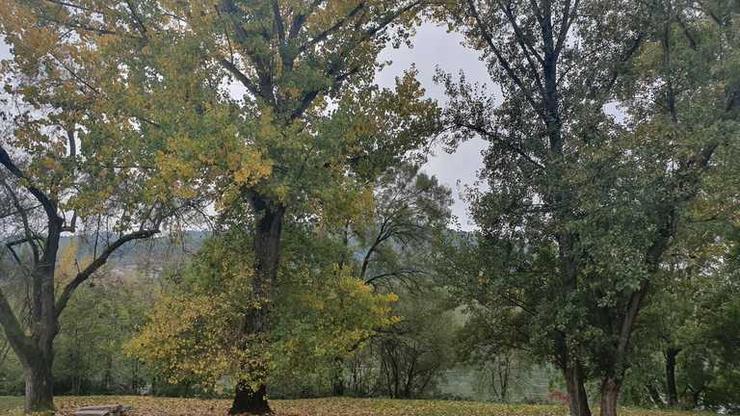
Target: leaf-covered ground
149,406
9,403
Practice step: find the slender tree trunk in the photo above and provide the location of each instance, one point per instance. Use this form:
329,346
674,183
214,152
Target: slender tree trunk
410,375
39,383
610,389
654,395
267,237
577,396
337,382
670,375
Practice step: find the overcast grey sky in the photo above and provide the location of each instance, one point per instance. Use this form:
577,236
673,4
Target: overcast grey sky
433,47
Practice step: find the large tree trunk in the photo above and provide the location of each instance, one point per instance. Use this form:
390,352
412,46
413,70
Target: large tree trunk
610,389
39,383
577,396
251,402
267,236
670,375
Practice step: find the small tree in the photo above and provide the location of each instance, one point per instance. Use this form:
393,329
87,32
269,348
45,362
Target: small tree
194,332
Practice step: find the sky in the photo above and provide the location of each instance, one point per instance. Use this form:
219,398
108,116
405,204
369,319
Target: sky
432,47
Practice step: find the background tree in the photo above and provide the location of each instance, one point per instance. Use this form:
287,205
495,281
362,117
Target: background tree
411,209
391,249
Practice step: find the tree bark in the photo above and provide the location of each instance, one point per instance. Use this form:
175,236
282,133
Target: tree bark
266,245
654,395
337,381
250,402
577,396
39,383
610,389
670,376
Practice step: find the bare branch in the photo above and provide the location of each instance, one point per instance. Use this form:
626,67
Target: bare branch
97,264
49,206
20,343
488,38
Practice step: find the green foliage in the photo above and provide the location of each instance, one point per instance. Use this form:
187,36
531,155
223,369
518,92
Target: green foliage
89,356
584,211
194,331
693,317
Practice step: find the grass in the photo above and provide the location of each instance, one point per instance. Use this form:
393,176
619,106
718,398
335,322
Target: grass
157,406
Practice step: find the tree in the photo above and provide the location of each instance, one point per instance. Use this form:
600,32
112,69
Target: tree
93,329
683,142
412,353
555,62
411,209
391,247
194,332
581,210
290,58
63,172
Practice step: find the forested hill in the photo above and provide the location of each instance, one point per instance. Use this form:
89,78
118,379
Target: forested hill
155,254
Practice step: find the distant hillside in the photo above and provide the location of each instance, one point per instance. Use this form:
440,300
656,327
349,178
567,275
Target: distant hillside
149,256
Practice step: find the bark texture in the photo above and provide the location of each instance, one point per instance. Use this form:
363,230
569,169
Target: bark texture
577,396
610,389
250,402
670,376
39,387
266,245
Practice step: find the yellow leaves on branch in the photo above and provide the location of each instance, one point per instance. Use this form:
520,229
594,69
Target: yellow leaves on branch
189,338
324,317
194,335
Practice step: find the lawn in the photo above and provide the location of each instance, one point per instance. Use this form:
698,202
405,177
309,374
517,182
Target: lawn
149,406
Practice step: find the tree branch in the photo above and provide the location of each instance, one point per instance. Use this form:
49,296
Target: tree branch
516,149
279,23
13,330
97,264
49,206
321,36
24,220
239,75
300,19
488,38
393,273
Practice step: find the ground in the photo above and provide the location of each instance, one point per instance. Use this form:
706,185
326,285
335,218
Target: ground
149,406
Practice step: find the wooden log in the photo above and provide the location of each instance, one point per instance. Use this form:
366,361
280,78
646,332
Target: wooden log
101,412
104,410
